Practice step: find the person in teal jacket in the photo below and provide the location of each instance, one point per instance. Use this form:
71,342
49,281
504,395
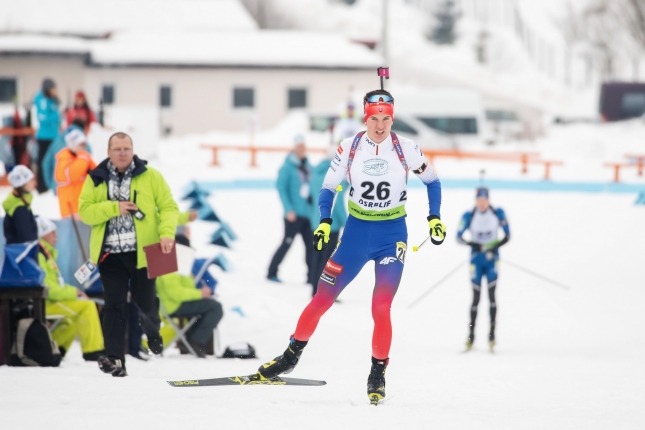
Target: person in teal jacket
46,102
293,187
339,214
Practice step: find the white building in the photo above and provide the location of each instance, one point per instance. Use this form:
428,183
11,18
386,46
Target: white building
193,65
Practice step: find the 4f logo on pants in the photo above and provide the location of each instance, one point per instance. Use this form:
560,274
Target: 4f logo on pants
387,260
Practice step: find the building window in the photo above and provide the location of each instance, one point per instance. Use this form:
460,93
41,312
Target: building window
243,97
107,94
165,96
297,98
7,90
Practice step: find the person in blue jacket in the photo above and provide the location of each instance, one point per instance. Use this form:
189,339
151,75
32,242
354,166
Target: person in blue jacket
46,102
293,187
319,259
49,162
484,222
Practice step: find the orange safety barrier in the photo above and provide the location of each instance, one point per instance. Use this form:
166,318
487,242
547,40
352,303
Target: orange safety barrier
27,131
252,149
525,158
640,162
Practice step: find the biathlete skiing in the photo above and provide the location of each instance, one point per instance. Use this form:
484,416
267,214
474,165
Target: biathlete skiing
484,222
376,163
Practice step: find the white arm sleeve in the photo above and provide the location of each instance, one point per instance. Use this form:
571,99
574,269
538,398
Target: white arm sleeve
338,168
417,162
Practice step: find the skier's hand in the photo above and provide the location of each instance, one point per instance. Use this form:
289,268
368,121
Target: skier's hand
476,247
437,229
321,234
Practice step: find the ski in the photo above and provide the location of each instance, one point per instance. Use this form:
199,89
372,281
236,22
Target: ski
245,380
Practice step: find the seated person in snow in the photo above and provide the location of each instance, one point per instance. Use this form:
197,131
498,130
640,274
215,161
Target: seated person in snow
81,316
181,298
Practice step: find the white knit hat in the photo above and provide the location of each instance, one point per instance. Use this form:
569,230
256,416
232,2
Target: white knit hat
45,226
74,139
20,175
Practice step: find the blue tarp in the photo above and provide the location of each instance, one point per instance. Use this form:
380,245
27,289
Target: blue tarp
19,265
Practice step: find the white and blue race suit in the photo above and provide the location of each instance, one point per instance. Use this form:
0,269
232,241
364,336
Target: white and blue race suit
484,228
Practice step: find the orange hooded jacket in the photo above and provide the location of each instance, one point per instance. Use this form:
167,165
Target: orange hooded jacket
70,174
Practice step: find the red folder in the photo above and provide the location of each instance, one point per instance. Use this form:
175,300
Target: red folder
159,263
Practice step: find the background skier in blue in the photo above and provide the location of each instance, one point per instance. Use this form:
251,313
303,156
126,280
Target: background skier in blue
483,221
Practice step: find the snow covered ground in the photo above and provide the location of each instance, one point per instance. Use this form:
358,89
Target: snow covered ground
566,359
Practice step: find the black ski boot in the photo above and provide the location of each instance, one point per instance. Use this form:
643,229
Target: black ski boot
376,380
114,366
491,337
284,363
471,338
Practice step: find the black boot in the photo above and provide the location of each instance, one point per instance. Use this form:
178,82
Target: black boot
376,380
155,344
112,365
284,363
471,337
491,336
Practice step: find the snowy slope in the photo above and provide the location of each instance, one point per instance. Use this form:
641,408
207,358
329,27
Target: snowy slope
565,359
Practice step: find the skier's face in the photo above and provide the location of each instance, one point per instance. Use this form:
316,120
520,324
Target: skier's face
482,204
378,127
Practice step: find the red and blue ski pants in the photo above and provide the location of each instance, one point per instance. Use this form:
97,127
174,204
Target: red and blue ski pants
384,242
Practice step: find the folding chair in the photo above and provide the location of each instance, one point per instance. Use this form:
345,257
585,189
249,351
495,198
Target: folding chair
54,321
180,333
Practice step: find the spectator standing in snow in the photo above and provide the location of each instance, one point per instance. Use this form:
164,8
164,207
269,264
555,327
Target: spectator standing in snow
121,187
46,102
293,187
81,110
339,214
49,163
347,126
19,222
72,165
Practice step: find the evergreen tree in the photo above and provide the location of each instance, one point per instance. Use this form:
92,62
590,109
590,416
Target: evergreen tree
446,16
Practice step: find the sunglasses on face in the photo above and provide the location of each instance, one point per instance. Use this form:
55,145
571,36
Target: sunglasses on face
383,98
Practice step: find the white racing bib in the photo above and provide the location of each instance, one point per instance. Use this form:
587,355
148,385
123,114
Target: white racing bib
377,176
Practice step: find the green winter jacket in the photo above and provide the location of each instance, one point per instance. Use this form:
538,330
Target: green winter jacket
58,291
154,199
183,218
290,185
175,289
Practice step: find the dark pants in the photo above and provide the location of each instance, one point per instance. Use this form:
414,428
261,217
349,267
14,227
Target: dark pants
43,146
319,260
300,225
118,274
211,314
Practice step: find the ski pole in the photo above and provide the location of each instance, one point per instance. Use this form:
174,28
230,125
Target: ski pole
78,234
432,288
416,248
537,275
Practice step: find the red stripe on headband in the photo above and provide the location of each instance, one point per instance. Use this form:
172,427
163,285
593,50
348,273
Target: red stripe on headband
378,109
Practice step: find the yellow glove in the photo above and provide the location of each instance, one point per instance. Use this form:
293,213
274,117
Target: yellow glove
321,234
437,229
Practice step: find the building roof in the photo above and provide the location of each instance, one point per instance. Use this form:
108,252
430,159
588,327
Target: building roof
39,44
96,18
261,48
265,48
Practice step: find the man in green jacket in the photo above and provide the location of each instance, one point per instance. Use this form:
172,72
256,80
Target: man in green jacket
80,317
129,206
293,187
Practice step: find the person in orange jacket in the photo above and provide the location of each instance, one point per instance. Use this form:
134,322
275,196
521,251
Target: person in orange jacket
72,165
